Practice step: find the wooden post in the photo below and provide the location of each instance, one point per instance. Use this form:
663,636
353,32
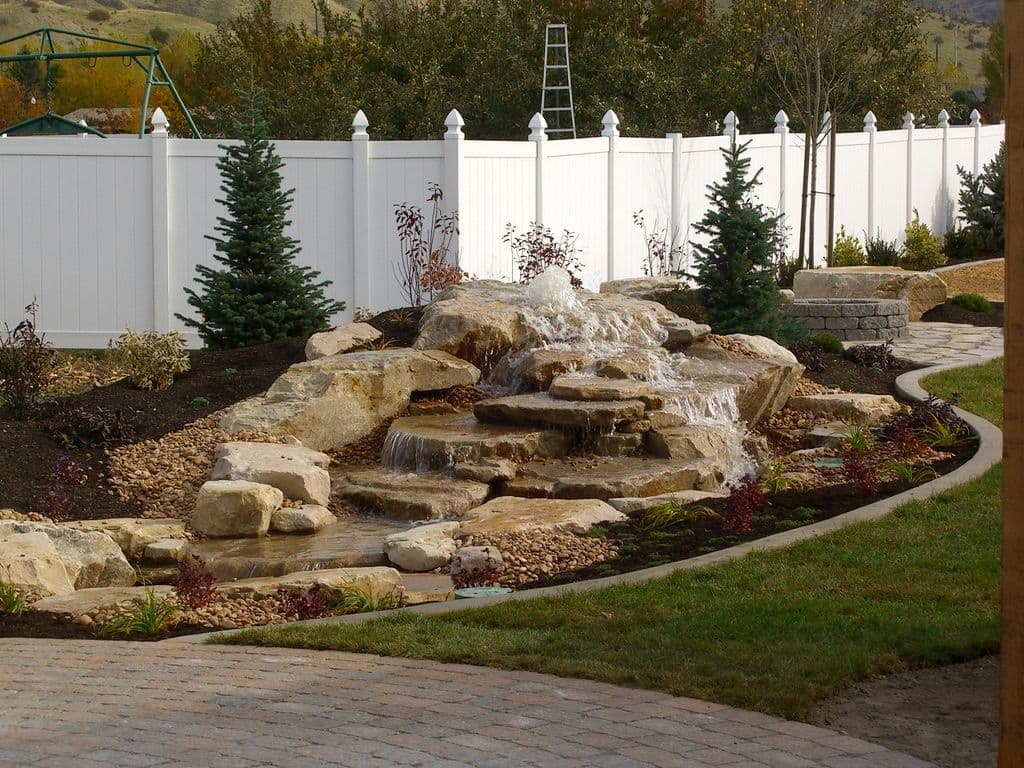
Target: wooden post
1011,714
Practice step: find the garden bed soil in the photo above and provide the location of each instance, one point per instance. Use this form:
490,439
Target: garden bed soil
954,313
788,509
49,625
28,454
946,715
852,377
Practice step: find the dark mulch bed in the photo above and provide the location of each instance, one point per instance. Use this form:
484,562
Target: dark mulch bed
788,509
852,377
28,453
398,326
34,624
954,313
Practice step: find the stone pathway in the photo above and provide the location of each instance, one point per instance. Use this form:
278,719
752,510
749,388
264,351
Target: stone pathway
940,343
85,704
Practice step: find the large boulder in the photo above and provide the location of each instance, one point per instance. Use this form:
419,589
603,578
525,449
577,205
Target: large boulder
334,401
309,518
922,290
860,408
509,513
299,473
483,321
91,558
235,508
339,340
422,548
30,563
691,442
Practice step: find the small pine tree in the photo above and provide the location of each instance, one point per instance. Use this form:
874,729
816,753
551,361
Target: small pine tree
735,270
983,204
261,294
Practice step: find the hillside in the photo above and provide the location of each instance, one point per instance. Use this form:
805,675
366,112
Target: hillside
136,18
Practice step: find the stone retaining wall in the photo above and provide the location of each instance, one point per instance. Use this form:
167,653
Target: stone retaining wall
855,319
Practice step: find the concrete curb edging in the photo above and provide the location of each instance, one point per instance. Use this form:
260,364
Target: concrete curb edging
967,265
989,453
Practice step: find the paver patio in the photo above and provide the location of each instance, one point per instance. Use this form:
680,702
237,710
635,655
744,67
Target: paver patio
92,703
938,343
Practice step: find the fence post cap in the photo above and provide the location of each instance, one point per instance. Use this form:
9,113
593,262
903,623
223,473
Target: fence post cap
908,121
159,122
610,121
360,124
781,121
943,119
731,123
538,126
869,122
975,118
454,124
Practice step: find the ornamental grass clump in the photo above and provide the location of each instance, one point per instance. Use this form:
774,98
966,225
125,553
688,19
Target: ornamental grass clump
150,616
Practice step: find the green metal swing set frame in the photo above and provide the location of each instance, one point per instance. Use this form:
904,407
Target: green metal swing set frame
146,57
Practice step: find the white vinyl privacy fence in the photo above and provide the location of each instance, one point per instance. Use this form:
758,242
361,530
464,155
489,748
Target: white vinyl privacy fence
105,234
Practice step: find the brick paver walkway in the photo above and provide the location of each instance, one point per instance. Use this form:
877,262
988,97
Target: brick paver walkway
938,343
84,704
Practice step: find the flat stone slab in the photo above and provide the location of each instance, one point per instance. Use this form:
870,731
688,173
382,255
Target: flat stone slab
376,582
347,542
427,588
857,407
132,534
545,410
508,513
89,600
609,478
424,443
631,504
599,389
411,496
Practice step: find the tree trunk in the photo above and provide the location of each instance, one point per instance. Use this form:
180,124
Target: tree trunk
832,134
1011,715
801,260
814,202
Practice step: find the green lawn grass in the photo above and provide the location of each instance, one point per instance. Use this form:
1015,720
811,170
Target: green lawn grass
978,389
775,632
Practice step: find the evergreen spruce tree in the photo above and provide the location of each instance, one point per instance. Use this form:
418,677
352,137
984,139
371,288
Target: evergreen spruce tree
736,268
261,294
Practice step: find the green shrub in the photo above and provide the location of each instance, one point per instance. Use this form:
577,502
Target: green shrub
960,245
827,343
150,616
922,250
983,203
881,252
973,302
846,251
151,358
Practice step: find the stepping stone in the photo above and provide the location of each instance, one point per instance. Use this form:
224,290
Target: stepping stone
309,518
165,551
545,410
424,443
611,478
487,471
411,497
508,513
595,388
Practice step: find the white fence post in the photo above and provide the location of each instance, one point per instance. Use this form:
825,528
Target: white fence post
732,126
453,155
782,129
610,130
870,128
361,281
539,134
976,125
676,198
161,224
908,126
944,125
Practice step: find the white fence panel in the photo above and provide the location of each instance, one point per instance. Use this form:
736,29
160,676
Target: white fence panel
107,234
